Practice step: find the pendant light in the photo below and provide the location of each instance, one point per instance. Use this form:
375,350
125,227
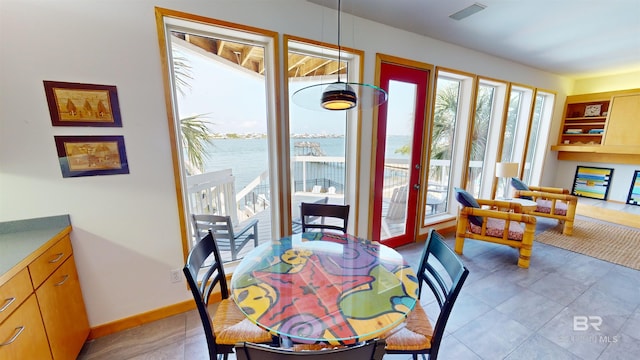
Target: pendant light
339,95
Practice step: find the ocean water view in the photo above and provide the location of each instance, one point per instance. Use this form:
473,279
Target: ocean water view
247,157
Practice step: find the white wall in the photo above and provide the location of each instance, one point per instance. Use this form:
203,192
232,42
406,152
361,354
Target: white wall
126,232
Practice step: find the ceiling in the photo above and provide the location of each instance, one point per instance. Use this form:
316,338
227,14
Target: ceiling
252,57
575,38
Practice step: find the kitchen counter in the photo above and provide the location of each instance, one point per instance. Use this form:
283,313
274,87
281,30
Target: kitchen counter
20,239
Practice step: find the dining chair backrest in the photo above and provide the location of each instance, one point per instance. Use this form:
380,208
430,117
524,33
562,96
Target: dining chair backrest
336,214
370,350
445,279
213,276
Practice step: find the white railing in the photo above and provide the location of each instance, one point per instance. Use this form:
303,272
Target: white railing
213,193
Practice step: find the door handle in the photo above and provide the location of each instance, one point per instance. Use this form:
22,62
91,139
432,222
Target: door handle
416,186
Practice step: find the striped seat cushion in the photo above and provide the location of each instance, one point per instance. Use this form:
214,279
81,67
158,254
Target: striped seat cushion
544,206
414,334
230,326
495,228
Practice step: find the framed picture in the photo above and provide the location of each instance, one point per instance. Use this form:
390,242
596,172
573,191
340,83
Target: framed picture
592,110
73,104
592,182
634,191
91,155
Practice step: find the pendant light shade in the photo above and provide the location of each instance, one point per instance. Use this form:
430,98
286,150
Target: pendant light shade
339,95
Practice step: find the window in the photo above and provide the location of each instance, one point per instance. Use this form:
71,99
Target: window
322,143
449,132
222,85
490,98
538,136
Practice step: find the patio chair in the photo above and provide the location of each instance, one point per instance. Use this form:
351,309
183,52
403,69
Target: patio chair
554,203
500,222
228,238
441,269
336,214
228,325
370,350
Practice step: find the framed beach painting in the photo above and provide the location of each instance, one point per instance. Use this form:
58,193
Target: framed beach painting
72,104
634,191
91,155
592,182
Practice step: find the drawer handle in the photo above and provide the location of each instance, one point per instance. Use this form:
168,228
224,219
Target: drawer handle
58,257
19,331
7,302
64,280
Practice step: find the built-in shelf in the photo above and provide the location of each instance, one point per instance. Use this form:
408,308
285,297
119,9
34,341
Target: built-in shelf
600,127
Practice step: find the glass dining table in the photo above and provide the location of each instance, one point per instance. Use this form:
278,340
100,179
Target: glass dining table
324,288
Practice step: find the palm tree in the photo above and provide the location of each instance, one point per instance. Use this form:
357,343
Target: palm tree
194,132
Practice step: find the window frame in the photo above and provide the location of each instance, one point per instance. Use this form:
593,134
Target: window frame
171,20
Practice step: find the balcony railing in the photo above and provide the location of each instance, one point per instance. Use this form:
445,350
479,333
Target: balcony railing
214,192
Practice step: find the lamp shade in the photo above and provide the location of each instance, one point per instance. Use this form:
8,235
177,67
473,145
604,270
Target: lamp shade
345,96
339,96
505,169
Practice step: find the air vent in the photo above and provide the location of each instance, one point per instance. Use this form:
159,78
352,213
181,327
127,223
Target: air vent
468,11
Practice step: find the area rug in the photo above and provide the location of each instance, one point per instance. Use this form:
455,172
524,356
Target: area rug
612,243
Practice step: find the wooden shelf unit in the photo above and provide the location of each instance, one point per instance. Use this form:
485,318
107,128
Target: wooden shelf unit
575,119
616,141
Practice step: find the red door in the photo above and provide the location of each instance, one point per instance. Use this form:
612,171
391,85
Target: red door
401,122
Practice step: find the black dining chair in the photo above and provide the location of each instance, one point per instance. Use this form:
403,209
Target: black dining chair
335,214
444,273
370,350
228,325
297,222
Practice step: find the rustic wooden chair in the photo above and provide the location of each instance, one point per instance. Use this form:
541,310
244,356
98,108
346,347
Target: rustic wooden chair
441,269
554,203
229,325
500,222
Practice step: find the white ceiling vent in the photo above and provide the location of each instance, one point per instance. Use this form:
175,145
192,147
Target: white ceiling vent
468,11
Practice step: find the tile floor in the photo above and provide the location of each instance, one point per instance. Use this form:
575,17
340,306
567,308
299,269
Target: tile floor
503,312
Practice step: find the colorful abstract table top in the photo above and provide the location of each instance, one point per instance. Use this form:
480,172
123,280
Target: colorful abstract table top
324,288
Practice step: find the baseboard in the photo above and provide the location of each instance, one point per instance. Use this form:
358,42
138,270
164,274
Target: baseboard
610,215
140,319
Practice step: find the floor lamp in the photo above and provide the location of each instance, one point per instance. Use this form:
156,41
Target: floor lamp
506,170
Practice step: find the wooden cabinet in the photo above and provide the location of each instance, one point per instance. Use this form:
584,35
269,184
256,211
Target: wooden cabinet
624,120
42,314
22,334
63,311
13,293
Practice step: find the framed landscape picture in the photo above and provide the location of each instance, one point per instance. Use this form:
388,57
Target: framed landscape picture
72,104
592,182
634,190
91,155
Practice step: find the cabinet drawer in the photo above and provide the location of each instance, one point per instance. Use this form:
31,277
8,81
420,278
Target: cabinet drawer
48,262
63,311
22,334
14,292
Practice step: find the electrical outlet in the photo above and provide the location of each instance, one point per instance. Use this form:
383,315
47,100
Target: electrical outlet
176,275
